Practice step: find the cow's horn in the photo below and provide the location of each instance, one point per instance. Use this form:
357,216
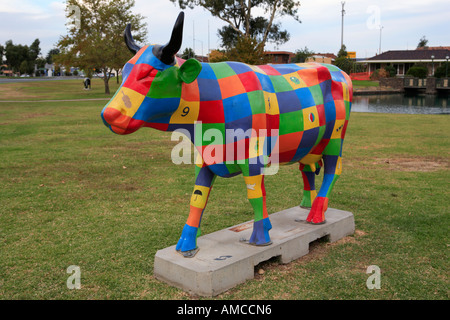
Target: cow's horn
171,48
132,46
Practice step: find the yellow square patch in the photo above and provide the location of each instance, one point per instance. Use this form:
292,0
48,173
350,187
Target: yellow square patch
338,128
345,90
310,118
199,196
126,101
256,146
187,112
294,80
271,103
254,190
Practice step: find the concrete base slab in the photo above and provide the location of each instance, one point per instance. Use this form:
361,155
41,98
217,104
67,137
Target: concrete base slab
224,261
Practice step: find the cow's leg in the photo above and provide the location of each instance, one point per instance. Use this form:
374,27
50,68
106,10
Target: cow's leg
256,194
309,173
203,184
333,169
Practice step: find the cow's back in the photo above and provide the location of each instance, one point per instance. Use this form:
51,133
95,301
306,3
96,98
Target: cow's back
296,104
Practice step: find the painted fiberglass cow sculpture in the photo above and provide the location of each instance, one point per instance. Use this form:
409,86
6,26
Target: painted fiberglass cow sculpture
298,111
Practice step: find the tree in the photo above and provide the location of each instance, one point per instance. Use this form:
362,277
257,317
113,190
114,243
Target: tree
248,50
218,56
188,53
22,58
422,42
23,68
301,55
52,52
98,41
443,70
15,55
2,52
257,29
35,50
238,14
342,61
40,63
343,52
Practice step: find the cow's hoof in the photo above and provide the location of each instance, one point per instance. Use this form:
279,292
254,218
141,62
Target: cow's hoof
247,241
188,239
317,213
189,253
317,223
260,235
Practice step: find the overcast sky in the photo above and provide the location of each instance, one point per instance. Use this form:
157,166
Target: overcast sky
404,23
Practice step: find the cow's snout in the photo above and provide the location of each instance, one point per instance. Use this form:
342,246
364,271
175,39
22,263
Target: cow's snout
110,115
117,121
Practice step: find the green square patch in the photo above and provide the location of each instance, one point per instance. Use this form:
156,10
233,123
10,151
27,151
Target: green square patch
330,67
291,122
280,84
211,133
317,94
222,70
256,99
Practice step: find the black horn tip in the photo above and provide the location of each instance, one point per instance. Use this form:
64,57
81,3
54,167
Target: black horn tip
129,41
171,48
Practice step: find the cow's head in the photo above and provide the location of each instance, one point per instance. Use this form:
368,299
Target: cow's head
152,82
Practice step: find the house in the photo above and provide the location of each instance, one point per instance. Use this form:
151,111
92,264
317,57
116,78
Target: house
5,71
280,57
202,58
322,58
402,60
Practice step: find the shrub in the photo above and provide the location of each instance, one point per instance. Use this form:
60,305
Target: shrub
440,71
417,71
344,64
392,72
379,73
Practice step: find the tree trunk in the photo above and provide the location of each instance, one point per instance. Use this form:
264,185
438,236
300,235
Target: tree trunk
117,75
106,81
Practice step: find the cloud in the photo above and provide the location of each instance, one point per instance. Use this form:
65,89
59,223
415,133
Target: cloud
23,7
24,21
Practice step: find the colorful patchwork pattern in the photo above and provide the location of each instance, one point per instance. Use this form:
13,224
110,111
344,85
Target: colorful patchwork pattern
284,113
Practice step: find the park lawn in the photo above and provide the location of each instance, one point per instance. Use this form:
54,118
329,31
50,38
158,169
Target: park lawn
74,193
365,83
56,90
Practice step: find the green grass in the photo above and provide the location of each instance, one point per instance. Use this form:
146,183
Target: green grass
365,83
73,193
55,90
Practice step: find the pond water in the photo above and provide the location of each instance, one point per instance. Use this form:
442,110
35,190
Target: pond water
400,103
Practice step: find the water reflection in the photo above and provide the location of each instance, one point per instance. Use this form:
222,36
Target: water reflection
399,103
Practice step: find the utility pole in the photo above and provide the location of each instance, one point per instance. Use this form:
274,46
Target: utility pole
342,24
193,38
379,49
209,47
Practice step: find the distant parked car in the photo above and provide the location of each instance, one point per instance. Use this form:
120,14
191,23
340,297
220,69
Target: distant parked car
25,76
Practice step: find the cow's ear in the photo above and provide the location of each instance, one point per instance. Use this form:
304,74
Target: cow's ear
190,70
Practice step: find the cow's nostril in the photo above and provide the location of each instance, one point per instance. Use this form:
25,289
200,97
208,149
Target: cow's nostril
111,114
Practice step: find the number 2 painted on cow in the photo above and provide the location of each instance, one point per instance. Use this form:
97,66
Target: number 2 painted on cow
185,111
